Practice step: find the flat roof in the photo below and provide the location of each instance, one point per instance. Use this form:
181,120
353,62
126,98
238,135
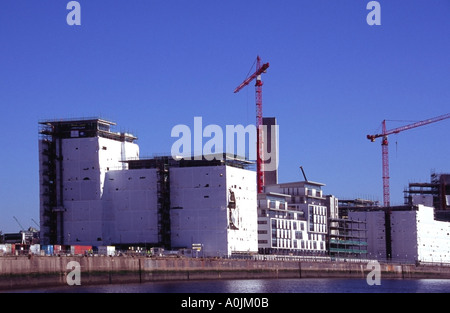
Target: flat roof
204,160
275,194
83,127
298,184
74,120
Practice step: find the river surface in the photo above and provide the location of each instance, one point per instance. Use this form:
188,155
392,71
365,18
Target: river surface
263,286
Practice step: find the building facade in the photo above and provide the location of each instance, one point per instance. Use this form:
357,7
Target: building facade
74,157
293,219
95,190
405,234
214,207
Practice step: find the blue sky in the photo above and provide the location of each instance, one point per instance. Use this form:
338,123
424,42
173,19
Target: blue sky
150,65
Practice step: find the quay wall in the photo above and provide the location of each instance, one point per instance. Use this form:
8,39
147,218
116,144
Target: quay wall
18,272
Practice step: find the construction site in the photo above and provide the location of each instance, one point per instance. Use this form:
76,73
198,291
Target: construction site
96,192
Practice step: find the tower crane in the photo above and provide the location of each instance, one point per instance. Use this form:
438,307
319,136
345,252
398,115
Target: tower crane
260,69
21,227
35,223
385,149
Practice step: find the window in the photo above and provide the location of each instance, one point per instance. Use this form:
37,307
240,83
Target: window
274,243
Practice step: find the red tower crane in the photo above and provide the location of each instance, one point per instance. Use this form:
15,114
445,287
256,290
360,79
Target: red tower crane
385,149
260,68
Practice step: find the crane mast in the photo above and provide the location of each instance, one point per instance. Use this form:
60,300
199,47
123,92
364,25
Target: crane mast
385,149
260,69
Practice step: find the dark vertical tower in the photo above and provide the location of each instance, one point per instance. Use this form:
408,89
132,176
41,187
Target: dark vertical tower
271,146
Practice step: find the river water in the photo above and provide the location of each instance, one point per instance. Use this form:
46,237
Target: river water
264,286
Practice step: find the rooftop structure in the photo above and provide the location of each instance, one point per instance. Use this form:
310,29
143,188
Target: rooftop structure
436,193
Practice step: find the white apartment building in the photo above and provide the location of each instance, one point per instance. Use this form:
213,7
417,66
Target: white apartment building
293,219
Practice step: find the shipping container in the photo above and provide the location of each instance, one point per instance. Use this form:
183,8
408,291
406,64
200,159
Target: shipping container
57,249
80,250
35,249
48,249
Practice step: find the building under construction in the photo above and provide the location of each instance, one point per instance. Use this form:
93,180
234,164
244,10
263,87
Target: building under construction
407,233
436,193
74,156
95,190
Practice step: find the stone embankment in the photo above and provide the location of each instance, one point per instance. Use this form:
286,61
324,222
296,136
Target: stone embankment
42,271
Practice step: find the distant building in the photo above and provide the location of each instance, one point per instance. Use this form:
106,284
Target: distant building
405,233
29,237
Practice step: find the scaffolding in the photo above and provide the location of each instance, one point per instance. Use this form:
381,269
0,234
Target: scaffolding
347,238
51,192
438,189
163,202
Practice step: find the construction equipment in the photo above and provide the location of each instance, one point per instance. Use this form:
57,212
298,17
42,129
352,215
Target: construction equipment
303,172
35,223
21,227
385,149
260,68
